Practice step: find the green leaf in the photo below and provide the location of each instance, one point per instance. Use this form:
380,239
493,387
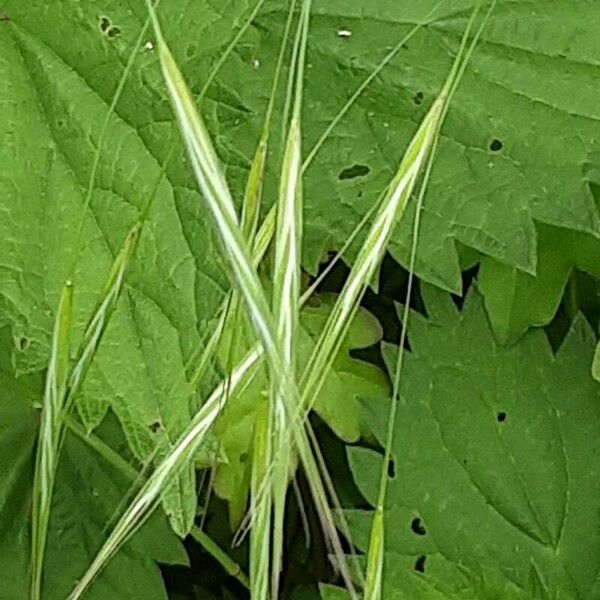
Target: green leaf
516,300
330,592
87,494
349,378
483,197
455,583
480,195
337,403
497,459
51,113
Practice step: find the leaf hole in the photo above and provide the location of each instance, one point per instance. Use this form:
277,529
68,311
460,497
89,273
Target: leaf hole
155,427
417,526
418,98
113,32
190,50
243,457
501,417
420,564
391,469
104,24
496,145
24,343
353,172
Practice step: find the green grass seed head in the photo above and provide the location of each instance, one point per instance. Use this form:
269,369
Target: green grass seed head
260,533
49,436
107,304
194,433
376,549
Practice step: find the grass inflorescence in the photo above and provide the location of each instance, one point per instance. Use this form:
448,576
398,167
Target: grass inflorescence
283,436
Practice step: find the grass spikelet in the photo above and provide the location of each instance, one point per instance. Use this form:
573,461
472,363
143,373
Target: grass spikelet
61,390
286,298
146,500
370,255
376,550
108,302
49,436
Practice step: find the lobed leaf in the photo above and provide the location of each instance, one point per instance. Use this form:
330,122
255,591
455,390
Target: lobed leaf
495,459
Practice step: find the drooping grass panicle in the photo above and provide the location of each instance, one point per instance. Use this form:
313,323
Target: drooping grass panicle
219,201
58,400
214,188
220,204
193,437
49,437
376,549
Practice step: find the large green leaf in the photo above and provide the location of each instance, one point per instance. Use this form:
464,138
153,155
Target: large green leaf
482,195
515,144
494,491
52,112
88,492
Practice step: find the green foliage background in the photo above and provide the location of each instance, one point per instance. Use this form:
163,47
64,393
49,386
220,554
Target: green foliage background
514,190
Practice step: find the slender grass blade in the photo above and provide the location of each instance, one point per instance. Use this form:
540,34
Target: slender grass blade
286,298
